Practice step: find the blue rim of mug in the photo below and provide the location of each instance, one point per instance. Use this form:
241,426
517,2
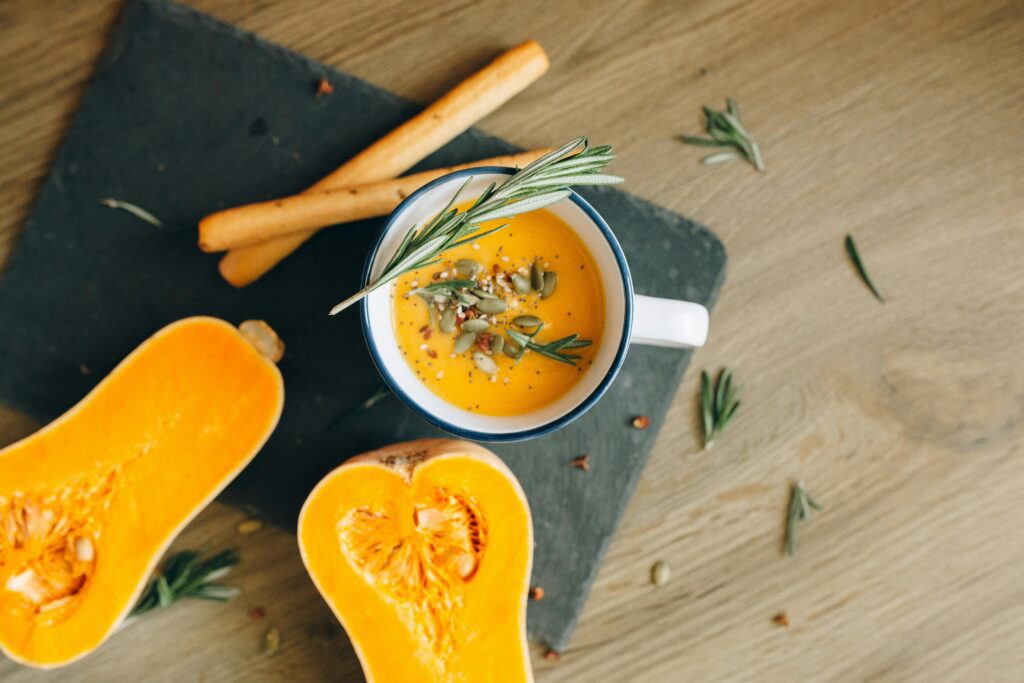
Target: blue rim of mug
540,430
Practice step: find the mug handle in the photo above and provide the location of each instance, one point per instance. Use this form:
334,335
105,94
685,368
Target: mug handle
668,322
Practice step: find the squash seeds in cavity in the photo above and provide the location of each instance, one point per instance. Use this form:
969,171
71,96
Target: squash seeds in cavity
497,344
475,325
550,282
536,275
509,348
521,284
491,306
485,363
467,267
448,321
526,320
465,340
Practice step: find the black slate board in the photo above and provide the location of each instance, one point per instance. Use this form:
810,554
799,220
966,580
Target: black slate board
186,115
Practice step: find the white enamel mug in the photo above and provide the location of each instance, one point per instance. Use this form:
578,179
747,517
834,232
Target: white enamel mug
629,318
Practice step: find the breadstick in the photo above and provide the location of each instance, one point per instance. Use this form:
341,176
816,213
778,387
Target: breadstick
467,103
254,223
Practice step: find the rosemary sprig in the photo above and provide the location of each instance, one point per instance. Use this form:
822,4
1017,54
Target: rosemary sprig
136,211
444,287
718,403
800,505
378,395
553,349
185,576
546,181
726,129
851,250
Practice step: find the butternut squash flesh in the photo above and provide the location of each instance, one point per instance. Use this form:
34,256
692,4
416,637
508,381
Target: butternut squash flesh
423,550
89,503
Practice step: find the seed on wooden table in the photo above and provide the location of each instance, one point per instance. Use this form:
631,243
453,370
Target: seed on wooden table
660,573
497,344
491,306
552,655
641,422
271,641
582,462
536,275
464,342
536,593
475,325
526,320
485,363
467,267
781,619
510,349
521,283
550,282
250,526
448,321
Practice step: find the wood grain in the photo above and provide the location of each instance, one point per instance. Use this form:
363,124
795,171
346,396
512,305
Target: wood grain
896,122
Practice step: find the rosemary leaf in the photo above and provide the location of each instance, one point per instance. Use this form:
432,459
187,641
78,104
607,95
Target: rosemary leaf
136,211
851,250
185,576
800,505
718,404
541,183
726,129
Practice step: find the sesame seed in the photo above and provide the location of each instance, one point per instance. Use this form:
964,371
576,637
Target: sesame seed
505,381
423,347
440,374
476,246
504,259
494,378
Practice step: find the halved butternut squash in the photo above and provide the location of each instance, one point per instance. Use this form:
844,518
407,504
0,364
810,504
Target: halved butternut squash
89,503
423,550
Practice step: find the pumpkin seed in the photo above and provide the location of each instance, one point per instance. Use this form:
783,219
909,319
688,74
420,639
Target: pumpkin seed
521,283
467,267
485,363
536,275
271,641
465,340
510,349
448,321
526,320
660,573
491,306
475,326
483,293
466,299
550,282
497,343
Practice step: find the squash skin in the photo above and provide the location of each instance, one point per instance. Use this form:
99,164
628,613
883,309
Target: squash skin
170,427
498,605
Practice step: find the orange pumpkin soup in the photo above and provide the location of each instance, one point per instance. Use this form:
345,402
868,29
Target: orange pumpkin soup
506,324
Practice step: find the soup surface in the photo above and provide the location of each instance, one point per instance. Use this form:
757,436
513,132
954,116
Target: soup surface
464,327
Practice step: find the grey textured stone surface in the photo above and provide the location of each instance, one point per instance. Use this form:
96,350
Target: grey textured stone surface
186,115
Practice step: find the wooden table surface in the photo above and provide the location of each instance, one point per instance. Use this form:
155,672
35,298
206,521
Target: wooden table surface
900,123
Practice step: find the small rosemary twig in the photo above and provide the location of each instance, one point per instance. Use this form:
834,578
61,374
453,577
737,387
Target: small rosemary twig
800,505
718,404
851,250
185,576
136,211
542,183
726,129
552,349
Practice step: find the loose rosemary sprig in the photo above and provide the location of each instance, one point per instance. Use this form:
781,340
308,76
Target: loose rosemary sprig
546,181
726,129
553,349
718,404
136,211
185,576
800,505
851,250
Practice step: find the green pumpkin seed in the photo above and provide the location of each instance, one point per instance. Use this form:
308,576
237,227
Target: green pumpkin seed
467,267
466,299
497,344
536,275
464,342
510,349
491,306
521,283
448,321
526,321
483,293
550,282
485,363
475,326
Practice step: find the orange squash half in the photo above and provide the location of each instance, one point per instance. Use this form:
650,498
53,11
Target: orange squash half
89,503
423,551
